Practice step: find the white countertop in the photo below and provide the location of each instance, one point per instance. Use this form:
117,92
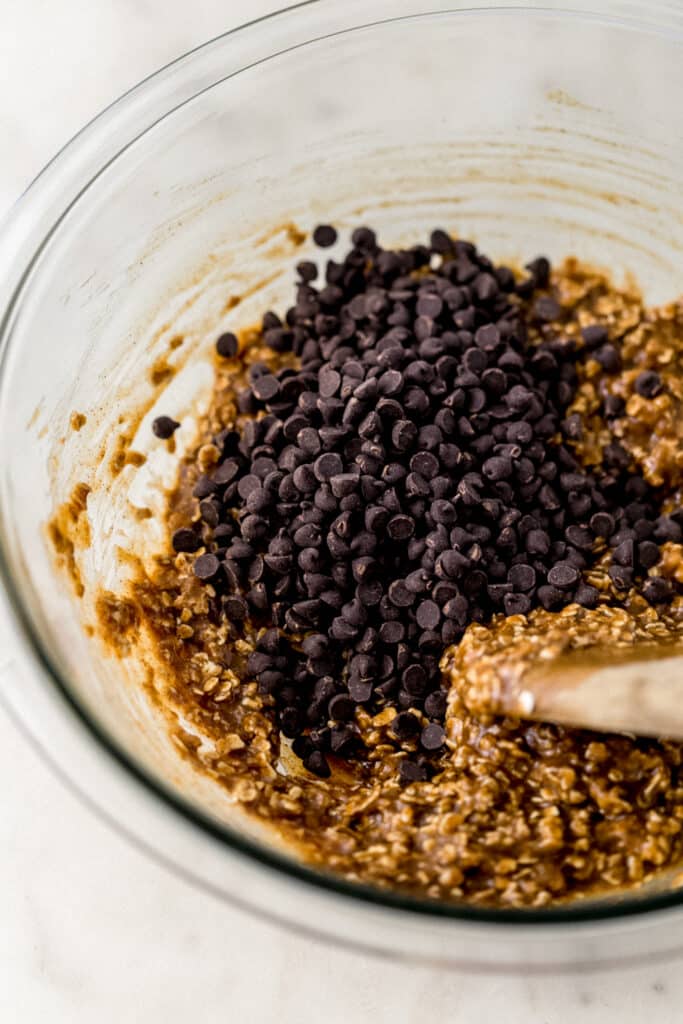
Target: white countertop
90,929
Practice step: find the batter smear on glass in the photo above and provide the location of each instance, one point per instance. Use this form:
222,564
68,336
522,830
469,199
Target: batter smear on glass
429,470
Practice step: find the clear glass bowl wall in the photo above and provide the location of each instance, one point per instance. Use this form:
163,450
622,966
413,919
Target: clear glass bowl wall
528,130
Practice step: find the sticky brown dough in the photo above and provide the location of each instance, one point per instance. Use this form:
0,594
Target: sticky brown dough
516,814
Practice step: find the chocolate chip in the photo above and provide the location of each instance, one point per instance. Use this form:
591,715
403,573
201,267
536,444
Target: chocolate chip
547,309
537,542
440,241
360,690
516,604
432,737
327,466
614,405
602,524
206,567
657,590
623,554
411,771
400,527
185,539
522,577
364,238
164,427
399,594
608,357
587,596
648,554
429,305
457,608
551,598
391,632
324,236
579,537
403,435
227,345
414,679
667,529
236,608
497,468
428,615
266,387
226,473
594,336
329,381
621,576
344,740
316,763
342,707
210,512
540,271
307,271
435,704
648,384
405,726
563,575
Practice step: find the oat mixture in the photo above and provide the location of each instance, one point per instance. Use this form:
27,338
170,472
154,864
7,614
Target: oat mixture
506,813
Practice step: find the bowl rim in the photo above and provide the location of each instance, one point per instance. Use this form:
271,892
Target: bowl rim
566,914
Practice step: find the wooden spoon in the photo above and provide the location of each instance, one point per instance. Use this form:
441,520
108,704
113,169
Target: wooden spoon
639,691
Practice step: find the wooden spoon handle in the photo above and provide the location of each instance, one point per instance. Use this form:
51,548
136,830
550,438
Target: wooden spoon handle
643,697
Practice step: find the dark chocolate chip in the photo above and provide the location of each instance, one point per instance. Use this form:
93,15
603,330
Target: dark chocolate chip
657,590
324,235
550,597
587,596
428,615
608,357
164,427
414,679
594,336
341,707
547,309
405,726
648,384
317,764
411,771
186,539
265,387
435,704
227,345
516,604
307,271
432,737
522,577
206,567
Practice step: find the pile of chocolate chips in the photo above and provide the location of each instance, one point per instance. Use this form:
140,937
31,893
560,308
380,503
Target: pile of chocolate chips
410,477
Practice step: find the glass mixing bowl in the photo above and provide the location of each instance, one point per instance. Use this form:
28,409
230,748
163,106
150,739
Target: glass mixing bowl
176,213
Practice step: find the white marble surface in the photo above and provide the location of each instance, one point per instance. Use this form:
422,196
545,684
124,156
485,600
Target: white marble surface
91,930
